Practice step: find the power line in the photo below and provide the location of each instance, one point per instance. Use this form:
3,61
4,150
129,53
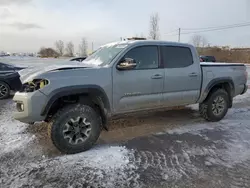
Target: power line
215,27
171,32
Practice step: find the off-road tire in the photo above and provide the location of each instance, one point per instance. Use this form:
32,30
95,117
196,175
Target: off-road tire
8,90
205,108
55,128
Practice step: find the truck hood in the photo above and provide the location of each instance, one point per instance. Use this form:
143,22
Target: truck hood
29,73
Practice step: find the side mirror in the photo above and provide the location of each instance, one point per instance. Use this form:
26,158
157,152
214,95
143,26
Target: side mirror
126,64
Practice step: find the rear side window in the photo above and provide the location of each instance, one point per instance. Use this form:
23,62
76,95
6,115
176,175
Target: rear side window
176,57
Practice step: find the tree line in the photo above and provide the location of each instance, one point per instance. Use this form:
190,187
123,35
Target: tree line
67,50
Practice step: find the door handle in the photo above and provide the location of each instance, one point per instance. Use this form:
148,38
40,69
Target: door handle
193,74
157,76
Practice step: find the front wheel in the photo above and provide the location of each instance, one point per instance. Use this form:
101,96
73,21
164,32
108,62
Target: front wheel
75,128
215,107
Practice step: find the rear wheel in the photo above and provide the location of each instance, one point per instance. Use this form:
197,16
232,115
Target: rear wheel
4,90
75,128
215,107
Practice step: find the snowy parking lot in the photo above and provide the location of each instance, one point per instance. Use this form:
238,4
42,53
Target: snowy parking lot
162,149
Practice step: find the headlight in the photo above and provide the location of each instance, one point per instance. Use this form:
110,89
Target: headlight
34,85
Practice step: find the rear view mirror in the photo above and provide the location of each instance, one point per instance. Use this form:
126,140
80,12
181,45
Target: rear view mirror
126,64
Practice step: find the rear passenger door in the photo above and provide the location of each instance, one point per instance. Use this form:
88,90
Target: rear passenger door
182,76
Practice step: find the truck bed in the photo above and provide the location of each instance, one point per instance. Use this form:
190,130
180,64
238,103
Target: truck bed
214,72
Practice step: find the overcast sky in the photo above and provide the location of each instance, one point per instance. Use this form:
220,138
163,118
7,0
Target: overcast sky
26,25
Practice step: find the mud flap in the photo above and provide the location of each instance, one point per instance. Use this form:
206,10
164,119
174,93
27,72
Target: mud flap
230,103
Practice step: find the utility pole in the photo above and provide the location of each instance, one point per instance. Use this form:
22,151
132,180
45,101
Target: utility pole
92,47
179,35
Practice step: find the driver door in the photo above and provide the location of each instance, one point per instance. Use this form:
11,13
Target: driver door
142,87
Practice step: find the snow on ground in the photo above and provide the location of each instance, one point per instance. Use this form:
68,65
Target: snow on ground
193,149
113,157
17,58
243,98
11,132
107,165
30,61
168,158
184,153
236,138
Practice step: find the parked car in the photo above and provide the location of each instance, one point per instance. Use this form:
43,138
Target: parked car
207,59
9,79
80,59
124,77
7,67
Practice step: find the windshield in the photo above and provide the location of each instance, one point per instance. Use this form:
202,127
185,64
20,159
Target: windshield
105,54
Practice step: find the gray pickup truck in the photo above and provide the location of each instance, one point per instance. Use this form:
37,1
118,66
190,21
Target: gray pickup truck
122,77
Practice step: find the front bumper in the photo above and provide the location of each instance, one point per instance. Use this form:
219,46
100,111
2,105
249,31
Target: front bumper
29,106
245,89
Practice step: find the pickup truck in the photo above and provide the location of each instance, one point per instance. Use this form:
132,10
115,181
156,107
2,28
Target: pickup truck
206,58
77,100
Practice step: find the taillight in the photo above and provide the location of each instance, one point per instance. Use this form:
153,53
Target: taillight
201,60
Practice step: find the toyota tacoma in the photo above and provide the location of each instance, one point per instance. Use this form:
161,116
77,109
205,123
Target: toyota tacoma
77,100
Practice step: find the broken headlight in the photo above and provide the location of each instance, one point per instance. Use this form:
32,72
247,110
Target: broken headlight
34,85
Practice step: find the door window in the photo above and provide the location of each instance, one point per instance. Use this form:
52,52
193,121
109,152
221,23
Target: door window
146,57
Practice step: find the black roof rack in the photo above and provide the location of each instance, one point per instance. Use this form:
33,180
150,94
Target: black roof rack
136,38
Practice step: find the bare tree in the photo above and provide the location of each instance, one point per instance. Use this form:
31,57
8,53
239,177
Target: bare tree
154,31
59,47
70,49
199,41
83,47
204,42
